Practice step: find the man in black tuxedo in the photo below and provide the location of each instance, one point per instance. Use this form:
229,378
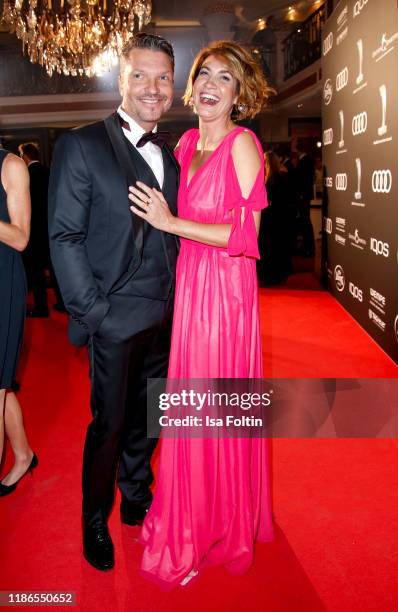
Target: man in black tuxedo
116,275
37,256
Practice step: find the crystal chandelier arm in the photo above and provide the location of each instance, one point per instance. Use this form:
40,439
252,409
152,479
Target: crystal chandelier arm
65,39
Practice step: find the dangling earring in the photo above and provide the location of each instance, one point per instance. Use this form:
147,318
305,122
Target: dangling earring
190,102
242,108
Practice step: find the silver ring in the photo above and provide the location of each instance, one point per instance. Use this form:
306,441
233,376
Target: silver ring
149,201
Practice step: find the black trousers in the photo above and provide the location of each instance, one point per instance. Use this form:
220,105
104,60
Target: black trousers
35,268
274,243
305,227
132,344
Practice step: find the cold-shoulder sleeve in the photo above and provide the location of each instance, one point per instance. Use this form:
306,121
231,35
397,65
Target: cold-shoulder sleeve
243,237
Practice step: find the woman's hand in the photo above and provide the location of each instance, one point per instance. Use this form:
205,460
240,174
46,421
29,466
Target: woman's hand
156,211
154,207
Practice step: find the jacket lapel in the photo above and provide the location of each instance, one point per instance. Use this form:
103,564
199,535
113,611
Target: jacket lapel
170,160
129,168
135,168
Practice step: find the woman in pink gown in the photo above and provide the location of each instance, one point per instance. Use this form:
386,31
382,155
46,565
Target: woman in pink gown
212,500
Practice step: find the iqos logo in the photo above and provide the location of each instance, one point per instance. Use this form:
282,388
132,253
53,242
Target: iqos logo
358,6
379,247
328,136
341,181
355,291
328,43
342,79
381,181
359,123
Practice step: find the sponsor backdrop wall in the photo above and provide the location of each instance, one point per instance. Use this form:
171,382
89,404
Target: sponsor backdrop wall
360,138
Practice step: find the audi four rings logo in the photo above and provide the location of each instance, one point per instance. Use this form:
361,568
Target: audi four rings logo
328,136
341,182
358,6
381,181
339,278
328,91
359,123
342,79
328,43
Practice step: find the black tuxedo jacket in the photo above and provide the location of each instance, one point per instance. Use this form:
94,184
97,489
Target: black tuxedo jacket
95,240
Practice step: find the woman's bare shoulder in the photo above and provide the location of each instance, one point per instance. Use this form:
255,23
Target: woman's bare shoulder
14,173
246,158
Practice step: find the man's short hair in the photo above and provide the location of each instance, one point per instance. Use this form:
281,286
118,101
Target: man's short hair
30,149
142,40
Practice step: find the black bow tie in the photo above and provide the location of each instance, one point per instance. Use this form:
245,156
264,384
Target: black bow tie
158,138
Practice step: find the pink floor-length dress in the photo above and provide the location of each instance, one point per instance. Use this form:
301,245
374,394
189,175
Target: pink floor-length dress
212,500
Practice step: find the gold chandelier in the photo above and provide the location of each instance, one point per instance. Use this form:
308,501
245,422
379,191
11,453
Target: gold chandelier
75,37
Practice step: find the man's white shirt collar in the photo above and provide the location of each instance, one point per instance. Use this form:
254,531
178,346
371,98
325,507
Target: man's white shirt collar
136,131
150,152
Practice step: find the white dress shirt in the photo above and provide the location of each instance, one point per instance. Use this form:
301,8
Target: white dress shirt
150,152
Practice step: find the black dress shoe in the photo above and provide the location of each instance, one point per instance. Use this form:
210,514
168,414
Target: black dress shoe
98,546
7,489
132,513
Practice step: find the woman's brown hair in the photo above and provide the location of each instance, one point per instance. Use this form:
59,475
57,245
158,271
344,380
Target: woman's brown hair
253,90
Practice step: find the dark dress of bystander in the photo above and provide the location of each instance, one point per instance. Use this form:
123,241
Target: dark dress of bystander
13,299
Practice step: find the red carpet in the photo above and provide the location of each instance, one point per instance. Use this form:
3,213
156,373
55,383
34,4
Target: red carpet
335,501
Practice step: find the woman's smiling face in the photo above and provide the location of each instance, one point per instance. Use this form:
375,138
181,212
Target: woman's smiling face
214,90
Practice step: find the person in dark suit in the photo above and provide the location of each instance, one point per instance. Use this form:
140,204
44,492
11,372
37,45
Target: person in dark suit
36,256
117,275
305,174
276,224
